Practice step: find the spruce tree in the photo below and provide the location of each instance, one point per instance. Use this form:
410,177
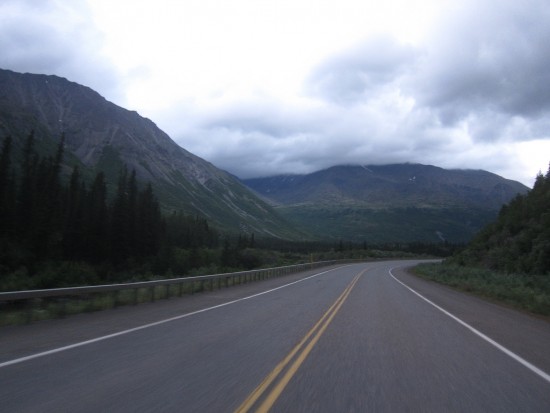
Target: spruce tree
119,220
73,225
149,223
27,191
97,221
7,191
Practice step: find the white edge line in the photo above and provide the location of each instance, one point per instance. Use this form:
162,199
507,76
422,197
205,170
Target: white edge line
156,323
509,353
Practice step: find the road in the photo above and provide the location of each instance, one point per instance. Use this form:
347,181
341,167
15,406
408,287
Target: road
352,338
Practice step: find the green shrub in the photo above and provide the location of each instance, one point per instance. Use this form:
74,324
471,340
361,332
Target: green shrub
16,281
528,292
65,274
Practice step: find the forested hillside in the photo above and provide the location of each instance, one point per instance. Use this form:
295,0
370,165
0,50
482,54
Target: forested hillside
61,228
55,232
389,203
102,136
519,240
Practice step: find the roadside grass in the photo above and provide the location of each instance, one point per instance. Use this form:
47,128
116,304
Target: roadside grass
39,309
47,308
526,292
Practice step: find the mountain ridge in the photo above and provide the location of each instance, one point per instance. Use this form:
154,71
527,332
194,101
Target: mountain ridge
102,135
378,202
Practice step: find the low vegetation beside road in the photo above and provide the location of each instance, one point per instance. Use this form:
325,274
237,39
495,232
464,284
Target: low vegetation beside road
509,259
526,292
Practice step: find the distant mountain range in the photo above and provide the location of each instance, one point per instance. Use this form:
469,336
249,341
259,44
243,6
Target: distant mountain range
387,203
392,203
100,135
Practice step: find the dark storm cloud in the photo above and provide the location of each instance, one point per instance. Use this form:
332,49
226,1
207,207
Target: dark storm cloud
55,38
489,56
359,73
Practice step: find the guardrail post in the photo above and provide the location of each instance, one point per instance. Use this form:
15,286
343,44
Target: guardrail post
59,302
31,304
63,309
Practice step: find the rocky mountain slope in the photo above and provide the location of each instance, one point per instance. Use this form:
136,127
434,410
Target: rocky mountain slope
388,203
100,135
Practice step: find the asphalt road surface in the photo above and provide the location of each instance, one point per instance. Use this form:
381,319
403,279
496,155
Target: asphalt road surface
358,338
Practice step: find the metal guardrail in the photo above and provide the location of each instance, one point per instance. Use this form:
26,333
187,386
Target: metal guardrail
197,283
18,307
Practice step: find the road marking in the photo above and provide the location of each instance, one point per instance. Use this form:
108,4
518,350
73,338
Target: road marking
156,323
304,347
509,353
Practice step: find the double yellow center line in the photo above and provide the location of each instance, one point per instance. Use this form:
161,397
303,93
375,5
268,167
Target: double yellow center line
270,391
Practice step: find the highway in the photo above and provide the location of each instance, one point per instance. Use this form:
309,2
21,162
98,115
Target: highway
365,337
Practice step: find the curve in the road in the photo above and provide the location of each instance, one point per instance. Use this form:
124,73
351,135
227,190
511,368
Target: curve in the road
297,355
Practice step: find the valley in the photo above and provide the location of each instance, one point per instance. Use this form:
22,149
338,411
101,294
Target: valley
389,203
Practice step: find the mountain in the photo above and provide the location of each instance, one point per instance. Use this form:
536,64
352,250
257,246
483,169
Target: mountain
100,135
389,203
518,241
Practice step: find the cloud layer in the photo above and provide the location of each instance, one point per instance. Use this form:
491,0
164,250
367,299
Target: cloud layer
473,93
467,98
56,38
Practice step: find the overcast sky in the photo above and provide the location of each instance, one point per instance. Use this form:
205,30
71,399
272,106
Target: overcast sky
262,87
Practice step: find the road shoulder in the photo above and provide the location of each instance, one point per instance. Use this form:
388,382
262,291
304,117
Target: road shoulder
24,340
524,334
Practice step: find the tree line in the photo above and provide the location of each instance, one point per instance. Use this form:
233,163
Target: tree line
47,216
41,217
62,226
519,240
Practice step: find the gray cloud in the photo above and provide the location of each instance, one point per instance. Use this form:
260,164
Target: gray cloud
479,83
269,140
359,73
55,38
490,56
485,66
266,117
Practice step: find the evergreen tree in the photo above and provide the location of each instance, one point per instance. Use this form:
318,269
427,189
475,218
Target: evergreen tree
7,191
149,224
97,221
119,220
73,225
131,211
519,240
7,209
27,190
228,256
47,233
